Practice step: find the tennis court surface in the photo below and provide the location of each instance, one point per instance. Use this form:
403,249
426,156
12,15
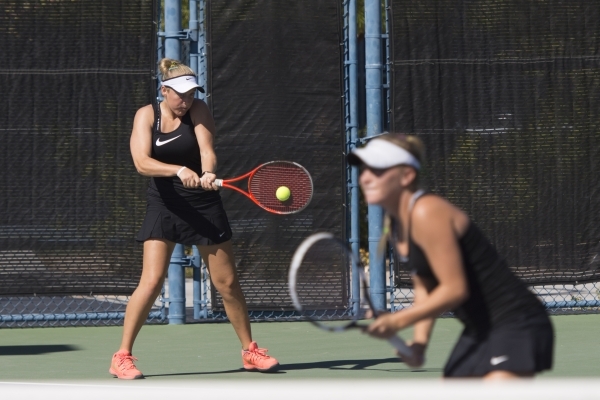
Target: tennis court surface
204,359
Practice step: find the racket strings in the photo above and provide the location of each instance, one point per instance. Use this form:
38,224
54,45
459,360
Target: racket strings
319,257
264,183
322,285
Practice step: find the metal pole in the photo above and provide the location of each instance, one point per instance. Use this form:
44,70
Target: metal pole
388,125
160,53
177,287
197,284
200,286
373,88
352,127
202,51
176,270
75,316
172,29
193,35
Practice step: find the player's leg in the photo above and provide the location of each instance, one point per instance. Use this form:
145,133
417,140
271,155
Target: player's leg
221,266
157,253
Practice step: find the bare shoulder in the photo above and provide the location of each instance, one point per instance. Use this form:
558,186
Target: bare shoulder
431,204
199,110
202,118
145,114
433,212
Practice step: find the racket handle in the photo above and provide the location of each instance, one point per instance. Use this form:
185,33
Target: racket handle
399,345
218,182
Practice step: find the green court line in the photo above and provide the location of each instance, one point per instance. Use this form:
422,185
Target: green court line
211,351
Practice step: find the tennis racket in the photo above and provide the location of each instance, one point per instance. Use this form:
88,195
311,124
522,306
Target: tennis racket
319,286
266,179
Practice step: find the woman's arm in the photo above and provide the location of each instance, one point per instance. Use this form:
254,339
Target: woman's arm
437,227
423,328
204,127
433,229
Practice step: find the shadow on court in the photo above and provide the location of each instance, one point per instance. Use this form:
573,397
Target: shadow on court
339,364
349,365
32,350
345,365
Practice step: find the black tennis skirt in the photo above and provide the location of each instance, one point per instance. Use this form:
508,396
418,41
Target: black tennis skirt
190,220
524,345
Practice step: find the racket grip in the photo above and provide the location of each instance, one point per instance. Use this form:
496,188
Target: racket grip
218,182
400,345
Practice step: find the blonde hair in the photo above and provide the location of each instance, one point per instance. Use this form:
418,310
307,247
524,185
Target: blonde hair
170,68
414,146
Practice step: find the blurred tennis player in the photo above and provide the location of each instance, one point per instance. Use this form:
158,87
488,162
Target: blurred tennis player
507,332
172,143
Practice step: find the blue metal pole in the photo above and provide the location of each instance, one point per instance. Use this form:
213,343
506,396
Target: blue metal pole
205,280
160,53
193,23
74,316
177,287
374,99
200,279
197,282
202,51
176,270
193,35
387,87
352,126
172,29
388,125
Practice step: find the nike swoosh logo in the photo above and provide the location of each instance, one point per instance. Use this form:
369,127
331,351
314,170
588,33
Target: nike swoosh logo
159,143
221,235
498,360
189,79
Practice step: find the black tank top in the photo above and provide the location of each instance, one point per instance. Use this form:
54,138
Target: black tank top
179,147
496,295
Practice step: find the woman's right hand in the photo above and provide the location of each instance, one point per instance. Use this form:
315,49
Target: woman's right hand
417,359
189,178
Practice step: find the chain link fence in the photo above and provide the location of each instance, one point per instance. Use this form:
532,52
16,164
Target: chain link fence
504,93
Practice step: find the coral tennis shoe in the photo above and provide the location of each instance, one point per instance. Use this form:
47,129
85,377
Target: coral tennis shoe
122,366
256,359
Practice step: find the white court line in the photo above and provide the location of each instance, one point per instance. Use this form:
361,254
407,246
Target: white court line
543,389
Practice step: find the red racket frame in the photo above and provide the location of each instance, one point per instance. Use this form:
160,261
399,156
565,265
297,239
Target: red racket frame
249,175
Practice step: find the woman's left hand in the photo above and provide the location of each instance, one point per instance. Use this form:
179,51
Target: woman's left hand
385,326
206,181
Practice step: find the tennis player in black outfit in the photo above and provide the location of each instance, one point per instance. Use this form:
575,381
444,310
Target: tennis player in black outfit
507,333
172,143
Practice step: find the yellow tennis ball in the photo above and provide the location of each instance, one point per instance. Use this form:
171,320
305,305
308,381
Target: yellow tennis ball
283,193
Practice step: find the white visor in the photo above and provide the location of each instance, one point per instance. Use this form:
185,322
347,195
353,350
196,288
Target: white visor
182,84
381,154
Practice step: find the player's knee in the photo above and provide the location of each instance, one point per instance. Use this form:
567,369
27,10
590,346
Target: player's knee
151,286
227,287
